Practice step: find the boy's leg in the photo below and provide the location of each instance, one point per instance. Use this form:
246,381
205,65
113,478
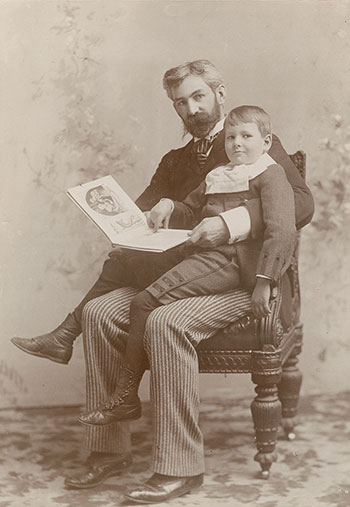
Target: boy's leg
124,404
199,274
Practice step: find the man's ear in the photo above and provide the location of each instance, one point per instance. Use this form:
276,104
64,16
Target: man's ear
220,93
267,142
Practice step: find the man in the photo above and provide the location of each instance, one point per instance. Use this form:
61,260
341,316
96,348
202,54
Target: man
198,96
200,104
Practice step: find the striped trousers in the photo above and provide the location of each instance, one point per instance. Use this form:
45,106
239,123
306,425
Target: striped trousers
172,333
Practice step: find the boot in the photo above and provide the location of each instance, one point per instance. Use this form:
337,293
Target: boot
124,404
56,345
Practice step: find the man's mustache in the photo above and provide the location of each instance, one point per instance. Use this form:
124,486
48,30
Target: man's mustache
198,118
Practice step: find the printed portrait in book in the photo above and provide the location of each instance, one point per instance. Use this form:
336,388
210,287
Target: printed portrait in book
104,201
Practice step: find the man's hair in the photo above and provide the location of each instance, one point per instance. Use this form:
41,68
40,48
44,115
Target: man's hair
250,114
202,68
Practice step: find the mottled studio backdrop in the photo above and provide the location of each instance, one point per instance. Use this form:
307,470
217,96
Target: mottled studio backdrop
81,97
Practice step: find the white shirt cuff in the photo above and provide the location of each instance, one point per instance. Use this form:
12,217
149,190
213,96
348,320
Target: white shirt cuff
171,203
238,223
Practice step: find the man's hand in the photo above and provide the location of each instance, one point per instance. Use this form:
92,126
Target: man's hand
159,215
209,233
261,298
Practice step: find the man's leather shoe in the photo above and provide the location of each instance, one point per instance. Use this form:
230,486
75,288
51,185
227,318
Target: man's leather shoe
99,472
56,345
160,488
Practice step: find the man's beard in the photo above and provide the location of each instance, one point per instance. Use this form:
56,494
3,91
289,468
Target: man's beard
200,124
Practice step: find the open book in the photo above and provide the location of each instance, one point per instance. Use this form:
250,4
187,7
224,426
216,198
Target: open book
118,217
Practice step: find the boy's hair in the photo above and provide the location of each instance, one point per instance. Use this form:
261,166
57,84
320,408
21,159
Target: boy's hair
203,68
250,114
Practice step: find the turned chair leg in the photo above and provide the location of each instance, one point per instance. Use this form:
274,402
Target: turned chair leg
266,412
288,393
289,388
266,407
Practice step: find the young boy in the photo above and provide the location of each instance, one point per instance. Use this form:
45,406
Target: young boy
254,264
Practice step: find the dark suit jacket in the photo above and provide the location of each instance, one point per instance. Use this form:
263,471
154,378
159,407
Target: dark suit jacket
178,174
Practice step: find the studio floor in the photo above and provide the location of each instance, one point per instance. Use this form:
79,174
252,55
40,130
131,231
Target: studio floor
39,447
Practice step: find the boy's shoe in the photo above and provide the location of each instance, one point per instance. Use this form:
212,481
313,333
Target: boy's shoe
124,404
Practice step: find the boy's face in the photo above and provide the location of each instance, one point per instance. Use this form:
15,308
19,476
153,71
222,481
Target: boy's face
244,143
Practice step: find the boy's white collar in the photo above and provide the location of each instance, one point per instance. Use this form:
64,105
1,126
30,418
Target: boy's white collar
257,167
235,178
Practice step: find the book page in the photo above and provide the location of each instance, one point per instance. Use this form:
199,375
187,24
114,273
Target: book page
110,208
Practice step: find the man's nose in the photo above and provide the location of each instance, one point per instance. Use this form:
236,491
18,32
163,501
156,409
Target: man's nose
192,107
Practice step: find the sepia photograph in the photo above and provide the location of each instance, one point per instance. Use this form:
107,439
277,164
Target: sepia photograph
175,210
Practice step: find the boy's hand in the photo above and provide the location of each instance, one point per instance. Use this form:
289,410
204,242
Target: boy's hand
159,215
261,298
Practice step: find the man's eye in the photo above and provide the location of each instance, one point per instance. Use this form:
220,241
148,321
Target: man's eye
246,136
199,96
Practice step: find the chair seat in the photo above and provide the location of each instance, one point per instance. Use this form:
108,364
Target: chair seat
237,336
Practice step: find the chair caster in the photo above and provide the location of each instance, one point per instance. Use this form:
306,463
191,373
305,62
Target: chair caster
291,436
265,474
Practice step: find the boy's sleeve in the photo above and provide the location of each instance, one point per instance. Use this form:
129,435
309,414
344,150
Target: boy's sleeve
277,202
304,204
186,214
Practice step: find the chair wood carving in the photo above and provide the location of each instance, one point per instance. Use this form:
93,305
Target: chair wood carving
267,349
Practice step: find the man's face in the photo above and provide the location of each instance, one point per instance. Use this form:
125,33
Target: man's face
244,143
197,105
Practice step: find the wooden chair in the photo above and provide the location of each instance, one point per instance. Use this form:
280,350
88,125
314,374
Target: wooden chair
267,349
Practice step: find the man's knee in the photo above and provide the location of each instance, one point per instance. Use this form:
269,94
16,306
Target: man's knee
91,311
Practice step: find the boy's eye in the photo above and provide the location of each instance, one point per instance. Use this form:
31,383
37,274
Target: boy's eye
199,96
246,136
